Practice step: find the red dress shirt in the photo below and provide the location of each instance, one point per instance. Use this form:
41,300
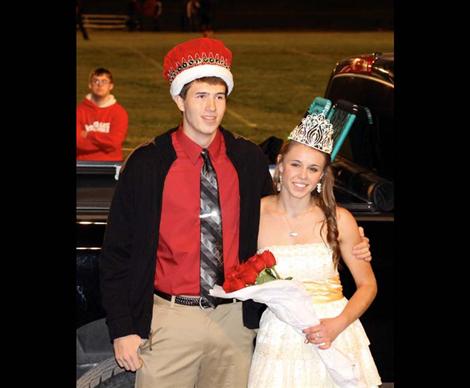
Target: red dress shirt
178,252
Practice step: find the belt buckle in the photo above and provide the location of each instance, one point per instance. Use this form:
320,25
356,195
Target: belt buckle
209,304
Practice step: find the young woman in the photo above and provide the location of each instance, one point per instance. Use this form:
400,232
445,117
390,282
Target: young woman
308,234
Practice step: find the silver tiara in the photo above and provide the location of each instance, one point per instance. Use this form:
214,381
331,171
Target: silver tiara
314,131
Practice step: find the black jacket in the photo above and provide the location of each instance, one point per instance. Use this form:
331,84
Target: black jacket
127,264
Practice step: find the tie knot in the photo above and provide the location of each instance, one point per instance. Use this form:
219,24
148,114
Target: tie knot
206,166
206,158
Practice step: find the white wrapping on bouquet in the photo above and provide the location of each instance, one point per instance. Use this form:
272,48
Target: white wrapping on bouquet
291,303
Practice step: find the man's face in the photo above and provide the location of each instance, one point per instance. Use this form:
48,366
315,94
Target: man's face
100,86
203,110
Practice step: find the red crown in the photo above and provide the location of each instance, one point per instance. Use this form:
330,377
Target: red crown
195,52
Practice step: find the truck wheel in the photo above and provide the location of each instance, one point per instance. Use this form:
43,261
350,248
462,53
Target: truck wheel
107,374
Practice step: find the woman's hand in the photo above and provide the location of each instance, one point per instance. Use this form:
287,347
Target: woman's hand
326,332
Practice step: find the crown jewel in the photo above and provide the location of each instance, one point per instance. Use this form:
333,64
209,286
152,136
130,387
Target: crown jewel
189,62
314,131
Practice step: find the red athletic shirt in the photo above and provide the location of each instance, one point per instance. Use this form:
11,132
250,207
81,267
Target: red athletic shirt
106,129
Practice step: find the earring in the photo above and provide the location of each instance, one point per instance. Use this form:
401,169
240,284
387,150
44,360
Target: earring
279,184
319,187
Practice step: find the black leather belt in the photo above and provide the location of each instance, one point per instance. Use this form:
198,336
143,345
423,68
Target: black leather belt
194,300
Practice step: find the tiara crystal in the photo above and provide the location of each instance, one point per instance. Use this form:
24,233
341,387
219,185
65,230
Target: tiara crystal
314,131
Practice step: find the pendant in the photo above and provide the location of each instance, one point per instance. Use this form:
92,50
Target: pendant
293,234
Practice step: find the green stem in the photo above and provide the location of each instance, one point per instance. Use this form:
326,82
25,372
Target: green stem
275,272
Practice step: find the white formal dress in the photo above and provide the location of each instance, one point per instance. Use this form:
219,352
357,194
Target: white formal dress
281,358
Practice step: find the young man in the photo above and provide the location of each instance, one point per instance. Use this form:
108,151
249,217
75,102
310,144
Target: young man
101,121
191,194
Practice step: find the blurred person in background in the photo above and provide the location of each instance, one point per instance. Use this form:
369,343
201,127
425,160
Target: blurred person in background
79,20
157,15
101,121
134,15
151,12
192,15
206,13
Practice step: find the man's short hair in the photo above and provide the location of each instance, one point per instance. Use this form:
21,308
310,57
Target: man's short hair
209,80
100,71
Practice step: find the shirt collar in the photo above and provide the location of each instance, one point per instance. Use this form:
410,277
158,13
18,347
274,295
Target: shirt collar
193,150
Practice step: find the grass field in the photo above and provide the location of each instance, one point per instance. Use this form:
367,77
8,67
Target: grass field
276,74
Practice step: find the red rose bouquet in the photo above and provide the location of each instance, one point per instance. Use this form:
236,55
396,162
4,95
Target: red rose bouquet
288,299
258,269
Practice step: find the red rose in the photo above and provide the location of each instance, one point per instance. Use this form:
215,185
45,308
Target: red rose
233,284
232,281
257,262
257,269
247,273
268,258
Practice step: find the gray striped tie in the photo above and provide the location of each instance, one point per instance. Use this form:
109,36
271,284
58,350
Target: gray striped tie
212,265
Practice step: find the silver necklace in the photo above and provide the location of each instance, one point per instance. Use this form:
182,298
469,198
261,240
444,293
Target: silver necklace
292,233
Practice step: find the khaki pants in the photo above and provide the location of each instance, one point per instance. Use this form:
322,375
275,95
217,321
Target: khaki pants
191,347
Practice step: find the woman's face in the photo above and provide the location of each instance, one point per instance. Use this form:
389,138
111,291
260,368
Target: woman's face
301,169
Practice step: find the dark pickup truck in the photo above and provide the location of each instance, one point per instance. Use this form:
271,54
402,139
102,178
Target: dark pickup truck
364,185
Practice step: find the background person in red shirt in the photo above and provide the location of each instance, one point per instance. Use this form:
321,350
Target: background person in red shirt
101,121
151,12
